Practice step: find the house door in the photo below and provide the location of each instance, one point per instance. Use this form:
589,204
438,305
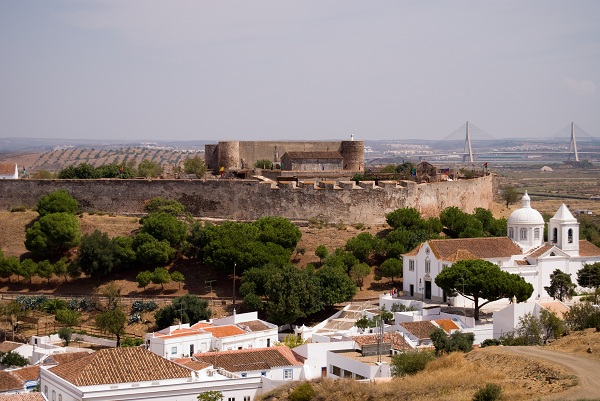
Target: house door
191,349
412,290
427,289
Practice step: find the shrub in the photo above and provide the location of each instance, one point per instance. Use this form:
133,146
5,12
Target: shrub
65,333
490,342
18,209
304,392
491,392
131,342
409,363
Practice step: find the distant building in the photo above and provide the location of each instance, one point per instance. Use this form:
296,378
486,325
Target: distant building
9,171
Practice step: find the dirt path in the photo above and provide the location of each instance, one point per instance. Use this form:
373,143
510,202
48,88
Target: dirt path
586,369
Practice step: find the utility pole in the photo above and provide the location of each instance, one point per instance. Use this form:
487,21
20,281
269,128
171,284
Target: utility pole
233,283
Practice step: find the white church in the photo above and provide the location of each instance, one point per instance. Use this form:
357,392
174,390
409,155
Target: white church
523,252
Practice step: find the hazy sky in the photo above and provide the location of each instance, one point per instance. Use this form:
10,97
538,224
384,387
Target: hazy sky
309,69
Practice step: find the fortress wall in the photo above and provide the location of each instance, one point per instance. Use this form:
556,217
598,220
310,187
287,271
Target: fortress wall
250,200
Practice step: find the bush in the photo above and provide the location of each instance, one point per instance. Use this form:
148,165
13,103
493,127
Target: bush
490,342
65,333
131,342
491,392
304,392
409,363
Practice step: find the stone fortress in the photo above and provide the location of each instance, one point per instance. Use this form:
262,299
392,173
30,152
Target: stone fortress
288,155
321,188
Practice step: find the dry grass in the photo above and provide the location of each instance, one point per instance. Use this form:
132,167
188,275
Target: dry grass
449,378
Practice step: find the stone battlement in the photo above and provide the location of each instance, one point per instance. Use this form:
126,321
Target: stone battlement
341,201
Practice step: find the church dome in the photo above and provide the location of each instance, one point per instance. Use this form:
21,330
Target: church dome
526,214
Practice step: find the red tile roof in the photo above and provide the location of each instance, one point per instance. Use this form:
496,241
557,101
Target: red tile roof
8,381
22,397
224,331
29,373
192,364
251,359
540,251
586,248
421,330
119,365
395,339
7,168
447,324
7,346
479,248
253,325
56,359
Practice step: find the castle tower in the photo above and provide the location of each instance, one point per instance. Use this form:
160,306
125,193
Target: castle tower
353,153
563,231
526,226
229,154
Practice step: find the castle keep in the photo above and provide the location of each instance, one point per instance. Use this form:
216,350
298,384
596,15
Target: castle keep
288,155
342,201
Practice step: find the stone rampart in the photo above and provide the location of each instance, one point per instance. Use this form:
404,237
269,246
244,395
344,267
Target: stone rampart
249,199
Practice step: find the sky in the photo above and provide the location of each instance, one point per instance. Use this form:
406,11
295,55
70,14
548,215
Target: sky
297,70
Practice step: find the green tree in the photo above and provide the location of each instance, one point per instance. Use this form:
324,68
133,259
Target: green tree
509,195
83,171
408,218
589,275
194,165
149,169
65,333
27,269
54,304
552,326
321,252
391,268
68,317
292,340
144,278
211,395
12,359
57,202
265,164
112,321
456,342
53,234
161,276
178,277
9,266
334,284
561,286
164,226
45,269
292,293
364,323
581,316
359,272
460,224
409,363
278,230
96,255
150,251
188,309
169,206
61,268
362,246
479,279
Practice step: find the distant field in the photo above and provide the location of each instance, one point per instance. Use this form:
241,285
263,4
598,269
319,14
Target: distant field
56,160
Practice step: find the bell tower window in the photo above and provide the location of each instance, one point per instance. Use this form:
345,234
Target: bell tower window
555,235
570,236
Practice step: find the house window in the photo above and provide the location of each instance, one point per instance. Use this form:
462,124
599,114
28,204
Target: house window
244,374
173,350
288,374
411,265
53,395
523,234
191,349
427,266
536,233
570,236
511,233
263,373
231,399
60,397
46,391
246,398
336,370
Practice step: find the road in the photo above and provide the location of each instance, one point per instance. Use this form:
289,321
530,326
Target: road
586,369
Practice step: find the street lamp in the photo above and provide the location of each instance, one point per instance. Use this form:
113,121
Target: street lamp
233,283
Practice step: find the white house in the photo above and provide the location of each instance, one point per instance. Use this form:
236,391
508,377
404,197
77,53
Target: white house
522,252
238,331
9,171
135,373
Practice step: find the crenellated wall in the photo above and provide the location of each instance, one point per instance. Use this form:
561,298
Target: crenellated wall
249,200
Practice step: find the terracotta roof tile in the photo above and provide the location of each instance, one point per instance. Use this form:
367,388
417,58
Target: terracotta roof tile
119,365
56,359
395,339
251,359
7,346
8,381
224,331
586,248
480,248
253,325
26,374
540,251
7,168
447,324
22,397
421,330
192,364
522,262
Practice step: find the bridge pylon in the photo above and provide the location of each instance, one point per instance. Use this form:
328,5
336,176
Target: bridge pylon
468,149
573,144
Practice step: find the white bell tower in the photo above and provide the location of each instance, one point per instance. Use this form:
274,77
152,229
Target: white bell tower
563,231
